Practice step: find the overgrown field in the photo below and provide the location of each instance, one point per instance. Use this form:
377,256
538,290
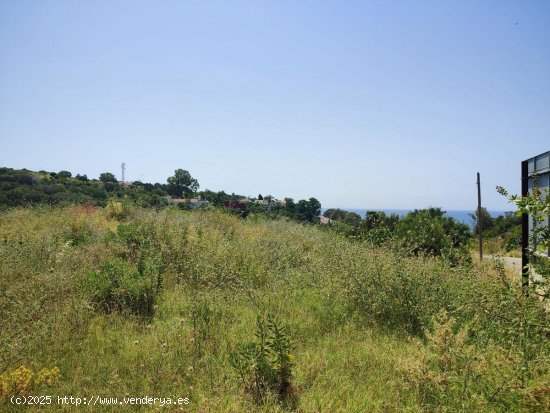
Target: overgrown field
254,315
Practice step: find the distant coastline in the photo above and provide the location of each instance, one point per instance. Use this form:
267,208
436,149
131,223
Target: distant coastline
459,215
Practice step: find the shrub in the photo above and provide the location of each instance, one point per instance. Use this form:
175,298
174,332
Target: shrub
397,291
135,237
378,236
120,287
462,374
429,232
265,366
116,209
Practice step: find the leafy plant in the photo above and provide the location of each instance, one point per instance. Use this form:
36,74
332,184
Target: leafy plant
265,366
537,206
120,287
429,232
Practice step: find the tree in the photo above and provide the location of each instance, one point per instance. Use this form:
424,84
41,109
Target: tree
81,177
377,228
350,218
64,174
504,223
486,220
106,177
290,206
314,207
377,219
181,183
308,210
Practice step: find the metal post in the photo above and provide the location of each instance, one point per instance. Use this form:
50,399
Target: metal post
479,218
524,227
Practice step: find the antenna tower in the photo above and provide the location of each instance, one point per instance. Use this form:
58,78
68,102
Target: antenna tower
123,166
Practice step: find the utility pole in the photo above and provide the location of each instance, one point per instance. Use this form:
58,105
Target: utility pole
123,166
479,218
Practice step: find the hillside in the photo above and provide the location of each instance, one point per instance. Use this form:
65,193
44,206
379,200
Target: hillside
21,187
254,315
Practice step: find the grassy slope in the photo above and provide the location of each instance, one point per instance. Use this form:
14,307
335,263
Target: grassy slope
358,344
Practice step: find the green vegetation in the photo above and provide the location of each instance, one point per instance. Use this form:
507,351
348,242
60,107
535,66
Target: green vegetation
502,234
25,188
537,205
182,183
132,302
422,232
265,366
117,286
105,177
430,232
350,218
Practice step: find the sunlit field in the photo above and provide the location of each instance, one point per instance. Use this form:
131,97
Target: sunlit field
254,315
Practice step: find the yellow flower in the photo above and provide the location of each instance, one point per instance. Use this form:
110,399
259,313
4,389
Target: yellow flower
47,376
21,379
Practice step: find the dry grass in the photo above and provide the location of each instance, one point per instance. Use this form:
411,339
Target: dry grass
357,315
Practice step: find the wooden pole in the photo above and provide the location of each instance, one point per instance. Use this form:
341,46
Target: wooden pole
479,218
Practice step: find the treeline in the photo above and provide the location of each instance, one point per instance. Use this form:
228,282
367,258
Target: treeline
505,229
304,210
24,187
427,231
420,232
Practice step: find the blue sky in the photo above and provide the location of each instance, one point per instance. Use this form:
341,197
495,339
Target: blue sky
358,103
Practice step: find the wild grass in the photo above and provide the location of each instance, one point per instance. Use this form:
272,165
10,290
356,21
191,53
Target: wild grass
371,330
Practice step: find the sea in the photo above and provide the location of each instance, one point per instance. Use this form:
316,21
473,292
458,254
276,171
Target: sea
459,215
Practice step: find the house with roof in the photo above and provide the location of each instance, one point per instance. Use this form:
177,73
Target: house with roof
240,204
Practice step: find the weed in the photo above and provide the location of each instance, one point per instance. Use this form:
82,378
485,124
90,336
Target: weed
202,319
369,322
118,286
265,366
24,381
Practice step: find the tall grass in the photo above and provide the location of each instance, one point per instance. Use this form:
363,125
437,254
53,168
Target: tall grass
371,330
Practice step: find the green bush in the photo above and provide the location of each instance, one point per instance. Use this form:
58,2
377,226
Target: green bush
120,287
378,236
398,292
429,232
137,238
513,239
